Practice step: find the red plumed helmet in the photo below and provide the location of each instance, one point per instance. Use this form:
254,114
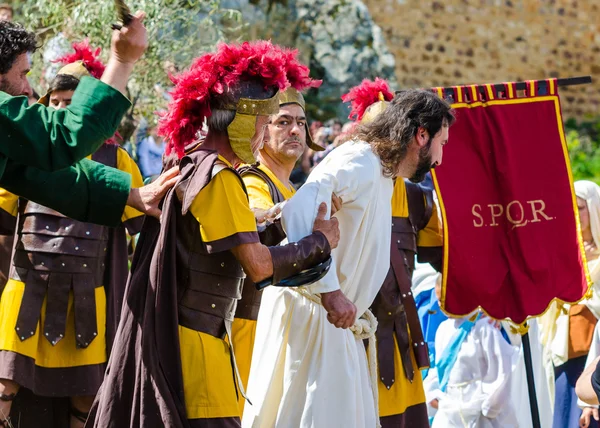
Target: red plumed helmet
85,54
211,74
366,94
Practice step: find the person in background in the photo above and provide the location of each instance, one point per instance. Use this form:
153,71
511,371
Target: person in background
150,152
6,12
568,329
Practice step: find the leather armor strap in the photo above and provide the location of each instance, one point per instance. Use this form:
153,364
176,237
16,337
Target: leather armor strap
402,274
57,304
107,154
293,258
84,294
31,305
276,195
420,205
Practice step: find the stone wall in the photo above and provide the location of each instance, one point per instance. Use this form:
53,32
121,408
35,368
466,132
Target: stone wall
440,43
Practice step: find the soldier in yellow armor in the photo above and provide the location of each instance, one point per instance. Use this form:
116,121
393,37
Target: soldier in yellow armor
268,184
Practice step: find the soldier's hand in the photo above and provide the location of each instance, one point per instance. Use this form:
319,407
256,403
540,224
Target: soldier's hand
336,203
341,312
147,198
329,228
130,42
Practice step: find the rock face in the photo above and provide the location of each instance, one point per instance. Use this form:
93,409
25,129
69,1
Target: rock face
337,38
440,43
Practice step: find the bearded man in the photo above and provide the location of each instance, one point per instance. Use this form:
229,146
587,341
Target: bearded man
310,367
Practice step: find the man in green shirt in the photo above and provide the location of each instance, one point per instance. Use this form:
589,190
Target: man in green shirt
42,151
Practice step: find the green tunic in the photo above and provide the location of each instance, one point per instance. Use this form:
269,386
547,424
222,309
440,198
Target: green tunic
42,153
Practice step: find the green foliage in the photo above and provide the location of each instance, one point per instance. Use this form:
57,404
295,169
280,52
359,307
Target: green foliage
178,31
583,141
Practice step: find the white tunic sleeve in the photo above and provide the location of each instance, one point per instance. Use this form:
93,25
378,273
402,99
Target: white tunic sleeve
345,176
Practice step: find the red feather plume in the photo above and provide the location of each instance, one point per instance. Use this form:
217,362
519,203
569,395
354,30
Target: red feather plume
83,52
364,95
210,75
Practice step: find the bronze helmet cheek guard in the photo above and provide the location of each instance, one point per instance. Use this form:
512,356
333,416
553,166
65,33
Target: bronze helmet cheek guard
243,127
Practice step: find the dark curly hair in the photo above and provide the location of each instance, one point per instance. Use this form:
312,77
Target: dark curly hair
14,41
392,130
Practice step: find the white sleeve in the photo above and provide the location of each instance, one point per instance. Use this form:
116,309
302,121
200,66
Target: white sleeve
338,173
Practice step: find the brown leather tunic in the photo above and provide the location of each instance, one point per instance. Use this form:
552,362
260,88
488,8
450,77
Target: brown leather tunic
53,256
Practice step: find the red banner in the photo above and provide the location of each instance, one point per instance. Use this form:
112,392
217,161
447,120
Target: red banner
511,227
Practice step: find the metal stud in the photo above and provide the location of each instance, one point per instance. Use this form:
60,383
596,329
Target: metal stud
95,334
404,295
295,265
47,227
416,344
85,265
76,248
43,264
398,241
392,224
422,343
22,337
409,293
87,233
218,285
67,228
79,335
60,335
31,333
213,306
46,334
387,386
17,328
63,264
222,264
389,313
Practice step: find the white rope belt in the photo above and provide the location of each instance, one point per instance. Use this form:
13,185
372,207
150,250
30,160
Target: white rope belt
364,328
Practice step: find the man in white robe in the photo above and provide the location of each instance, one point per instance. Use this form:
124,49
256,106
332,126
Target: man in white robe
306,371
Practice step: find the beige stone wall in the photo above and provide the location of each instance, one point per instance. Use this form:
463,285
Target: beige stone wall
441,43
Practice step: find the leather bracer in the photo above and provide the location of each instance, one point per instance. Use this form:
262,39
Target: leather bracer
291,259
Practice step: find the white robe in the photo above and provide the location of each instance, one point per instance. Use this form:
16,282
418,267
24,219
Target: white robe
478,393
306,372
543,373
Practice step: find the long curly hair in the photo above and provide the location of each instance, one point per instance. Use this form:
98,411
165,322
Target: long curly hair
214,76
392,130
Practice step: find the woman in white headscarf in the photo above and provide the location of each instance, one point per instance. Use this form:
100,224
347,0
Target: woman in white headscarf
569,329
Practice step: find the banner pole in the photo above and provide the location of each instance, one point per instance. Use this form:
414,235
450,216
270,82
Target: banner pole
533,404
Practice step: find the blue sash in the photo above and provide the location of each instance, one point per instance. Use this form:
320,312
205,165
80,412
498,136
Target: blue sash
446,361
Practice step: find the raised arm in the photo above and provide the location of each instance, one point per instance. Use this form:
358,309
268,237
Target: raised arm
52,140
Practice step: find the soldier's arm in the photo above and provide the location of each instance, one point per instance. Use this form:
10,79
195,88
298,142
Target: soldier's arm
51,139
